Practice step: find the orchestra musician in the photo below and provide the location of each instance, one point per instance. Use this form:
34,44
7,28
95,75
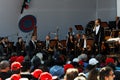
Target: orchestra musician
4,44
71,46
20,47
117,21
70,32
84,43
98,31
78,44
32,46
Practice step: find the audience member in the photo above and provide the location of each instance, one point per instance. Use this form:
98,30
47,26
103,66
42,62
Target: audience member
25,70
36,74
70,74
81,76
5,69
106,73
16,67
93,75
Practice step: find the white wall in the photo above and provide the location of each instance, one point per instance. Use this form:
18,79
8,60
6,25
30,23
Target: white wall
53,13
106,9
9,14
61,13
118,8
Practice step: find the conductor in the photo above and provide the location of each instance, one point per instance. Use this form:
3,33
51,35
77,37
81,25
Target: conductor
98,31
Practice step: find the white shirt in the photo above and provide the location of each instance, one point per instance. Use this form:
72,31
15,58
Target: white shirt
97,29
84,43
34,43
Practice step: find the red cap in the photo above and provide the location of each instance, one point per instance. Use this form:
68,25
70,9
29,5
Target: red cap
13,58
109,60
81,63
67,66
15,66
36,73
15,77
20,59
45,76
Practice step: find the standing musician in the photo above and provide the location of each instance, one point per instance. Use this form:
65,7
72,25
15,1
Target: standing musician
117,21
20,47
71,46
98,35
32,46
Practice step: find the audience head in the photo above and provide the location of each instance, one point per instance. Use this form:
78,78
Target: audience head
15,77
16,67
109,60
4,65
45,76
93,75
81,76
71,73
36,73
57,71
67,66
106,73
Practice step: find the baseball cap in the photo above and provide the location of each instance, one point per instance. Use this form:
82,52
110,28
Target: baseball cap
45,76
67,66
109,60
36,73
75,60
15,77
15,66
20,59
93,61
82,57
57,71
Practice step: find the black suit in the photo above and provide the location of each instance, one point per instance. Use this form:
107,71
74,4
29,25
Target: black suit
98,38
32,49
118,25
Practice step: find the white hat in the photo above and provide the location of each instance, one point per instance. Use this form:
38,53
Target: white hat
93,61
75,60
82,56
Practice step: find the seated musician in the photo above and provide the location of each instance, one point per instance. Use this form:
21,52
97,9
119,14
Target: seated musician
84,43
7,46
4,44
47,43
78,44
48,50
70,46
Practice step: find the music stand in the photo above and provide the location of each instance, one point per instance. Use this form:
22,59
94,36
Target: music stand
79,28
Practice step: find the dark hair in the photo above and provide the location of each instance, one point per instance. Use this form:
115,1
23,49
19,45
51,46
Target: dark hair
26,66
95,76
104,72
99,20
